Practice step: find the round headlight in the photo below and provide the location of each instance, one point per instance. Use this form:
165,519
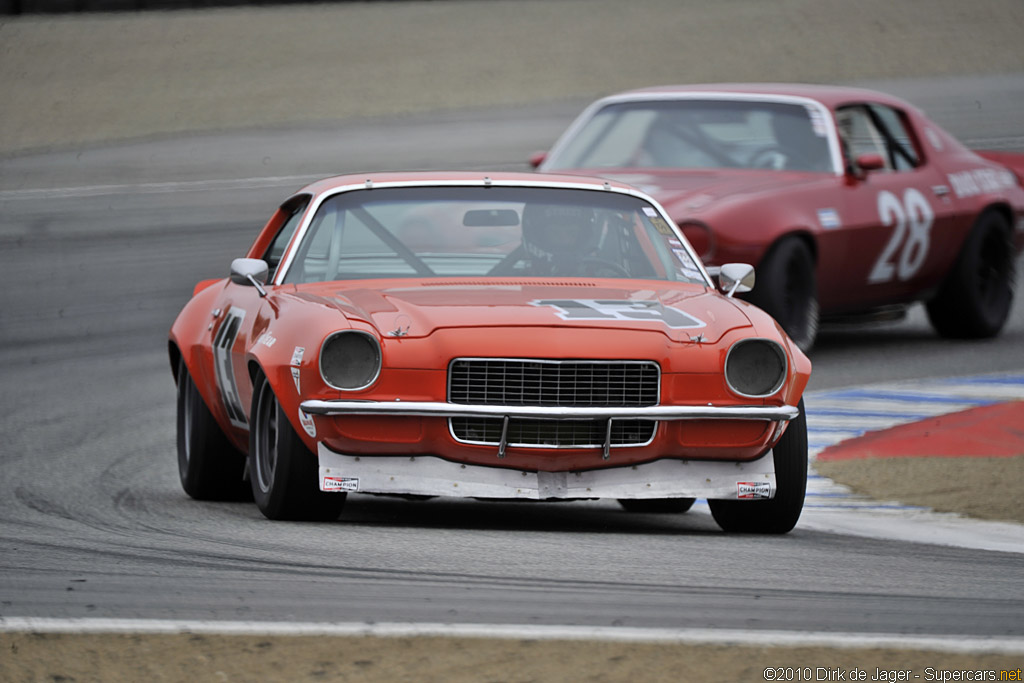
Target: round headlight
350,359
755,367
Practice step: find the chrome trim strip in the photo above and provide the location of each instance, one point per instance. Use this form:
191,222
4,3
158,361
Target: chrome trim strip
438,409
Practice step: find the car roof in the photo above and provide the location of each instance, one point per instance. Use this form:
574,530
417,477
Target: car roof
467,178
829,95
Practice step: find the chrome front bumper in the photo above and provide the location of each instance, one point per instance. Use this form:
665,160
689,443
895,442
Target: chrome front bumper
435,409
448,410
432,476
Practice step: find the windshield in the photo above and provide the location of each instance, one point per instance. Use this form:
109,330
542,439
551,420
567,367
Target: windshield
457,232
694,133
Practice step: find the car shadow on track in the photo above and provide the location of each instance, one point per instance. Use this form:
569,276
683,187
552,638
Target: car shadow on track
559,517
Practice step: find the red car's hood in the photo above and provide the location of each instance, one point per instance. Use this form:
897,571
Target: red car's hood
412,309
693,190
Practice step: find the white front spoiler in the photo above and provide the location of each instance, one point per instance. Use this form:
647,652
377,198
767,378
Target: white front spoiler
432,476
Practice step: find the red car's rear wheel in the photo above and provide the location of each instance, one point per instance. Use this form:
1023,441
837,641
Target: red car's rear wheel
974,301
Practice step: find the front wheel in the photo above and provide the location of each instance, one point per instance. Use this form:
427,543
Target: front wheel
777,515
974,301
209,467
284,476
787,290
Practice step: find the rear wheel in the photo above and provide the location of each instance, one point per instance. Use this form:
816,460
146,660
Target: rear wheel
209,467
787,290
974,301
657,505
777,515
283,472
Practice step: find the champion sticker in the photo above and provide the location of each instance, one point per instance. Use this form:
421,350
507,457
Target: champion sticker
753,489
306,420
829,219
339,484
296,377
297,355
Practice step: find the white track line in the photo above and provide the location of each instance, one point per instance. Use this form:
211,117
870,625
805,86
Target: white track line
889,641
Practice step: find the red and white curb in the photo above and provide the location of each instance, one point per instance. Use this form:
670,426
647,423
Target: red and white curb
836,416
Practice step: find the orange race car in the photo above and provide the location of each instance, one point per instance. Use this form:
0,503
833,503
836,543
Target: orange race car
517,336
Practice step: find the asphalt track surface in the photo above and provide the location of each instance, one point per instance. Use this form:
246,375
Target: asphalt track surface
100,248
96,524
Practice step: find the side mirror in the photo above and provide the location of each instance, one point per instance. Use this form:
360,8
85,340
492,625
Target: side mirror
870,162
736,278
537,158
250,272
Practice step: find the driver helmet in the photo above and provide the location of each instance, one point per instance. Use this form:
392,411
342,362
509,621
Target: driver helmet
557,237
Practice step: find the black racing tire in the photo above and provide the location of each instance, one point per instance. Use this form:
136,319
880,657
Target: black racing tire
283,472
780,514
787,290
658,506
975,299
209,467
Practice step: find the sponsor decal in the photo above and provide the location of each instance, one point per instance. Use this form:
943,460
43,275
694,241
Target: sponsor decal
684,258
306,420
649,212
266,339
980,181
612,309
661,226
934,138
817,121
339,484
296,364
753,489
829,219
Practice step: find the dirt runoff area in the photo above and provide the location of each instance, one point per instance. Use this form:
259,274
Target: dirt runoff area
195,657
90,79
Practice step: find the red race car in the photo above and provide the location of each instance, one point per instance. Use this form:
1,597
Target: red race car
851,203
517,336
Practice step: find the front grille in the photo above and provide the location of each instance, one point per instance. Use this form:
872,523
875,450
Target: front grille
515,382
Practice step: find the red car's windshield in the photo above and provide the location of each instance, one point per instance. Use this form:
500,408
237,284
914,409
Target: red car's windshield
698,133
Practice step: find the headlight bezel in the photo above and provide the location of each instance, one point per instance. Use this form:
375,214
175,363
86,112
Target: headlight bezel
780,353
377,364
